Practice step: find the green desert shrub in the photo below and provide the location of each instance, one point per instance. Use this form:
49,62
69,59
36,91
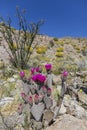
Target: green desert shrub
60,43
55,39
74,45
77,48
84,50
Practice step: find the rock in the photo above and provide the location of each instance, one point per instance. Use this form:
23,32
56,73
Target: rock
15,76
11,80
85,79
36,125
62,110
6,100
13,121
77,82
82,74
47,117
59,87
68,122
82,97
74,108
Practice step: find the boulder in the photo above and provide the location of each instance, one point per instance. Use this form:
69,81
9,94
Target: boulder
68,122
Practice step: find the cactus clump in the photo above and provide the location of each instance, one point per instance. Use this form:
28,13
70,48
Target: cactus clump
38,94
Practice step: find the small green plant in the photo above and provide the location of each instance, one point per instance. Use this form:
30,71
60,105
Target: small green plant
55,39
20,41
59,43
84,50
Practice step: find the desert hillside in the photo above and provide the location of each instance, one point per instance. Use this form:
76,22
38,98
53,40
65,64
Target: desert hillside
66,53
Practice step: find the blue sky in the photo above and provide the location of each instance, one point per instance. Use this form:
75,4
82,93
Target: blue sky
62,17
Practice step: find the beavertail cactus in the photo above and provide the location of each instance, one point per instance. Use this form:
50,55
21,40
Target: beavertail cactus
48,102
33,90
49,80
26,88
37,111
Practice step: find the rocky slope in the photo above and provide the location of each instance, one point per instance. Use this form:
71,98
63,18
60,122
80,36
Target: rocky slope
69,53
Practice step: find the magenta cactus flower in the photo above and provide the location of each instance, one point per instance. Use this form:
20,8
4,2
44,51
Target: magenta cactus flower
22,74
65,73
48,66
39,77
34,77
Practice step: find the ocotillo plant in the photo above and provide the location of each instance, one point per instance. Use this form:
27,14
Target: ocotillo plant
19,41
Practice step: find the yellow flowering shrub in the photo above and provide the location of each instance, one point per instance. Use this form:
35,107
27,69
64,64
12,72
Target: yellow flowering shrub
41,49
60,49
59,54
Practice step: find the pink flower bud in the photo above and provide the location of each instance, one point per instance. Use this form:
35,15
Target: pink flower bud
36,98
44,89
22,74
20,108
33,70
65,73
41,97
23,94
49,91
30,99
